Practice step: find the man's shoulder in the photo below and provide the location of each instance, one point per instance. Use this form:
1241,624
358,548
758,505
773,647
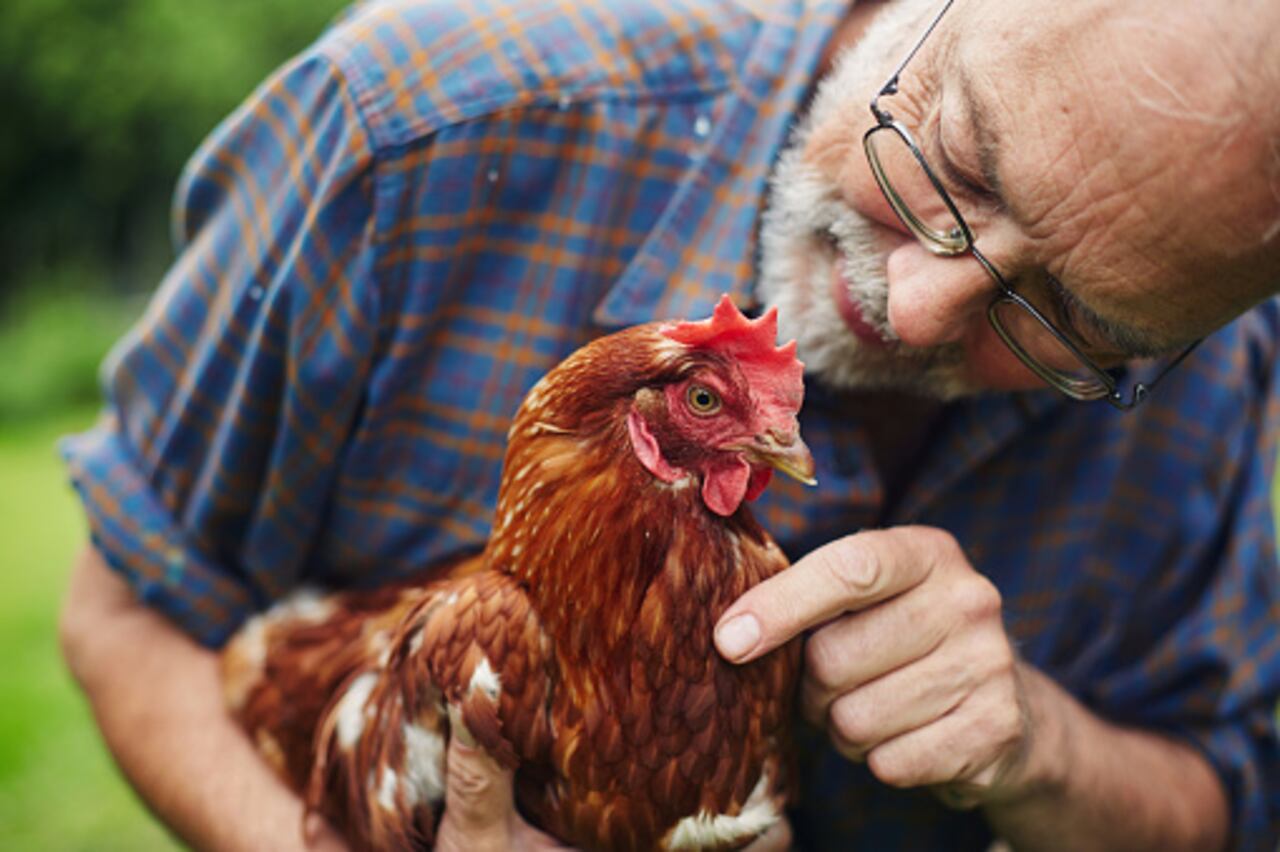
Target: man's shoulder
415,66
1259,330
1229,385
1243,356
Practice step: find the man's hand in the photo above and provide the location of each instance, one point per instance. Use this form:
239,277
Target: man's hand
479,803
480,813
909,667
157,698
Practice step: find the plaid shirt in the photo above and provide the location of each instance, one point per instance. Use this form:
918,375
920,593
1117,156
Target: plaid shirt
405,227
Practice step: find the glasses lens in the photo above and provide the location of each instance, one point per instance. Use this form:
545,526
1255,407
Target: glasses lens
906,184
1044,352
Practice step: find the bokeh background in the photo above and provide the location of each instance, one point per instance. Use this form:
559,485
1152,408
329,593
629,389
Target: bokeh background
101,102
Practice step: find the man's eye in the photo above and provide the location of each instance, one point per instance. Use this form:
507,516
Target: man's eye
1069,318
1071,322
967,183
968,180
1059,307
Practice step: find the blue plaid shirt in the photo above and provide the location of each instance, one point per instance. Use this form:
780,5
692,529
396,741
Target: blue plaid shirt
406,226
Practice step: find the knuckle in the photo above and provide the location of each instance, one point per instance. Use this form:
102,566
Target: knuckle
937,538
894,768
854,571
848,718
823,659
937,544
1008,722
469,784
999,730
991,657
1002,664
977,598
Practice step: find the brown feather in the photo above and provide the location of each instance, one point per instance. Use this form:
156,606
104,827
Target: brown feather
576,648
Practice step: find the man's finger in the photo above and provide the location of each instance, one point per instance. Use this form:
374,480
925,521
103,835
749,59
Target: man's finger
961,749
853,650
892,705
478,803
319,836
848,574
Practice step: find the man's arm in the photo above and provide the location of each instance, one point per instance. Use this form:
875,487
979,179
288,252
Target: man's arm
910,669
1103,786
157,699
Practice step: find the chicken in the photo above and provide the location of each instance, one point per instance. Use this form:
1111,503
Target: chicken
578,645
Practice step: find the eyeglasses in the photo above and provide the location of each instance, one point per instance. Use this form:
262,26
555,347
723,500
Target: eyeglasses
924,206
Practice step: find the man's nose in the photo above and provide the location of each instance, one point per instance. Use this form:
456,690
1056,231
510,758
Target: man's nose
935,299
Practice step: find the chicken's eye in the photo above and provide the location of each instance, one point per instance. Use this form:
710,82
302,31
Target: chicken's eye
703,400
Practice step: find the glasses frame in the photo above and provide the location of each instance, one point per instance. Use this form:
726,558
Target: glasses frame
960,240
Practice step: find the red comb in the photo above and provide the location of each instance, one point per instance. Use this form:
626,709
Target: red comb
729,331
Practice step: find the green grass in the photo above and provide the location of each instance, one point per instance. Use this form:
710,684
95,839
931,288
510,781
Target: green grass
58,787
57,335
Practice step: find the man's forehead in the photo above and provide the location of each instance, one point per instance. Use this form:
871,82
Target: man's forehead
1127,149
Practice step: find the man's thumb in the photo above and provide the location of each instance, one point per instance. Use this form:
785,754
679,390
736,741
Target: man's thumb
478,799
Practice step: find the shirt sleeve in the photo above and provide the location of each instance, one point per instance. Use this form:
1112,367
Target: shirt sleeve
228,404
1200,652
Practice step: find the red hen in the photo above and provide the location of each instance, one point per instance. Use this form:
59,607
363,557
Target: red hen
578,646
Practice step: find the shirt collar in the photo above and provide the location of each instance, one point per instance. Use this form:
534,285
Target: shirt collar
975,430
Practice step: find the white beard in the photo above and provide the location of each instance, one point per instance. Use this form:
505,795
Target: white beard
807,231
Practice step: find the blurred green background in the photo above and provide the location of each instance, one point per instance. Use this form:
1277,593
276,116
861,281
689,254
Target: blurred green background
102,102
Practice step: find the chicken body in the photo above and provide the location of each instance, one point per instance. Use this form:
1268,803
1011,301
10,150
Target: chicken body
577,647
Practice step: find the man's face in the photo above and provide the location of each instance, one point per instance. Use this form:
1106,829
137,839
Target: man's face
1081,141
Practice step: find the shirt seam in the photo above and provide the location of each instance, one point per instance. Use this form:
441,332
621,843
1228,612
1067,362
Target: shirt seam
363,93
373,168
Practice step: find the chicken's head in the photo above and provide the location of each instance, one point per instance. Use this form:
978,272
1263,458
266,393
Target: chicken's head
728,416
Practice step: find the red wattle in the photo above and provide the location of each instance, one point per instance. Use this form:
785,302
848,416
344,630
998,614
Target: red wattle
724,488
760,477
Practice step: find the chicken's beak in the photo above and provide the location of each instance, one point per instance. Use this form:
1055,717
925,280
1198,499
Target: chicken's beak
784,451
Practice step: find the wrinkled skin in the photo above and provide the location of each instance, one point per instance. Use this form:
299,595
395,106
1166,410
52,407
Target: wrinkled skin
1128,165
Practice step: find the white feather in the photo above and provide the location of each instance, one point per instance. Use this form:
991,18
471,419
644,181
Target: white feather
423,765
485,678
704,829
387,789
352,710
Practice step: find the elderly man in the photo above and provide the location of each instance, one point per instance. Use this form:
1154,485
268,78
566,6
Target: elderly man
1063,630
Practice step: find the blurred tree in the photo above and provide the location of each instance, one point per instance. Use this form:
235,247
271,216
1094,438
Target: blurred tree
102,102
